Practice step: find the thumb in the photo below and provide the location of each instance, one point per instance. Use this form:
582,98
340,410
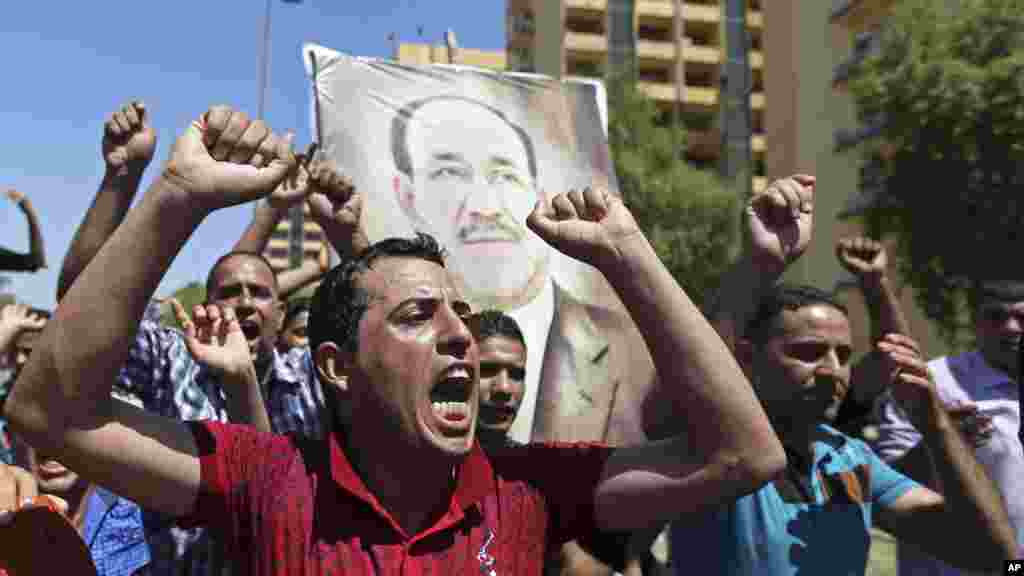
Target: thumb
541,222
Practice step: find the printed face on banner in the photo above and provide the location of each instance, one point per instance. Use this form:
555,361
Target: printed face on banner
468,176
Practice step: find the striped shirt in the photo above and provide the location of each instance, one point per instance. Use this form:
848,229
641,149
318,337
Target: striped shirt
162,374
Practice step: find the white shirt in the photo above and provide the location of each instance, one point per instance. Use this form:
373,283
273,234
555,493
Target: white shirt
534,321
966,378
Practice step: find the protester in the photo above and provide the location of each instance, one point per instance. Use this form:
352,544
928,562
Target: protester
36,257
408,484
111,527
866,259
795,345
979,390
18,327
170,371
502,374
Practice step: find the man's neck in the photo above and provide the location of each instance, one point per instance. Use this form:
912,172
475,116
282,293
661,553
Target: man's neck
388,480
76,499
798,440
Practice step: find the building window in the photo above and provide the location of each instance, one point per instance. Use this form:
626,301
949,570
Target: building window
585,26
523,23
521,60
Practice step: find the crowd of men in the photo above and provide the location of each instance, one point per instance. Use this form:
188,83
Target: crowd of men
366,430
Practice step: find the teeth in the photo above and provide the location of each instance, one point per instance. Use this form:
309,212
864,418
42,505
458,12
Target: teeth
445,409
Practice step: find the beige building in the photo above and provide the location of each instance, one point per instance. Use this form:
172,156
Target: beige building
424,54
677,46
313,242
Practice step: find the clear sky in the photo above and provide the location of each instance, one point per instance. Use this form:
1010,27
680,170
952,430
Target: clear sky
67,65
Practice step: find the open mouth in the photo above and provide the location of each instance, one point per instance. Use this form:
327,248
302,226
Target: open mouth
450,397
250,329
497,413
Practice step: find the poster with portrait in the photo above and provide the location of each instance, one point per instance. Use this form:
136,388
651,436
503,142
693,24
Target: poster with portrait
464,154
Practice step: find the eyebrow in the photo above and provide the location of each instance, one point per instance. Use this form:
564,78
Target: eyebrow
449,157
505,162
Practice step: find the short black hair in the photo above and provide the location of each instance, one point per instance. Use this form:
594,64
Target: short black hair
239,254
339,302
495,323
400,128
296,307
786,297
1003,291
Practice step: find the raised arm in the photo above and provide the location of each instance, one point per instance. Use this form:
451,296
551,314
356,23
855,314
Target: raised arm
866,259
267,215
777,226
62,402
935,523
128,146
732,449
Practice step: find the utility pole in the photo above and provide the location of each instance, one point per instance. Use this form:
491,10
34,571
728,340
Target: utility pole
735,99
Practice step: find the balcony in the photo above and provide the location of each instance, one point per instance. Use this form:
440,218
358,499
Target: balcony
697,95
708,143
588,5
702,13
649,50
586,43
860,15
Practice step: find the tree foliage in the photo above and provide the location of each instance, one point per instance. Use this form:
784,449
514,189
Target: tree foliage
189,295
688,214
949,84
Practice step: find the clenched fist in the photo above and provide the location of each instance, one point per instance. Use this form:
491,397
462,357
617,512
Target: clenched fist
863,257
128,140
588,226
779,222
337,207
224,158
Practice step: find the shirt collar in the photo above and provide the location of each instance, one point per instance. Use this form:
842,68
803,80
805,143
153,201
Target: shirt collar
475,477
972,370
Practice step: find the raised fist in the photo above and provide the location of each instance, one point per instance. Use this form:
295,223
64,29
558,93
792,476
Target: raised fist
337,207
128,140
587,226
779,221
862,257
224,159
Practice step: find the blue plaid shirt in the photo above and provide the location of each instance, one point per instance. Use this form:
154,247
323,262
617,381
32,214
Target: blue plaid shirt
6,444
113,530
162,374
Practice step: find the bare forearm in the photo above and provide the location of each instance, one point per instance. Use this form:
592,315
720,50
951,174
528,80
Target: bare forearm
35,235
884,308
258,233
289,281
696,371
67,382
245,401
107,211
971,498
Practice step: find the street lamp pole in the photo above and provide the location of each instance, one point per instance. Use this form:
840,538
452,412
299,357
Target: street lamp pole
295,216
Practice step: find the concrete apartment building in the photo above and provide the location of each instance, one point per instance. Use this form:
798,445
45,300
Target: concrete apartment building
677,47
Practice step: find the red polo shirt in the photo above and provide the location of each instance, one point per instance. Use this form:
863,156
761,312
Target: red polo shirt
288,507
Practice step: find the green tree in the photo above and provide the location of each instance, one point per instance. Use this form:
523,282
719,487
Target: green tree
689,216
189,295
949,84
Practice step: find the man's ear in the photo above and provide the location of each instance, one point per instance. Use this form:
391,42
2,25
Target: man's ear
279,310
405,195
333,365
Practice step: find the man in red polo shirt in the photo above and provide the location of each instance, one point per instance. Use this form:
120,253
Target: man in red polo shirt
399,485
